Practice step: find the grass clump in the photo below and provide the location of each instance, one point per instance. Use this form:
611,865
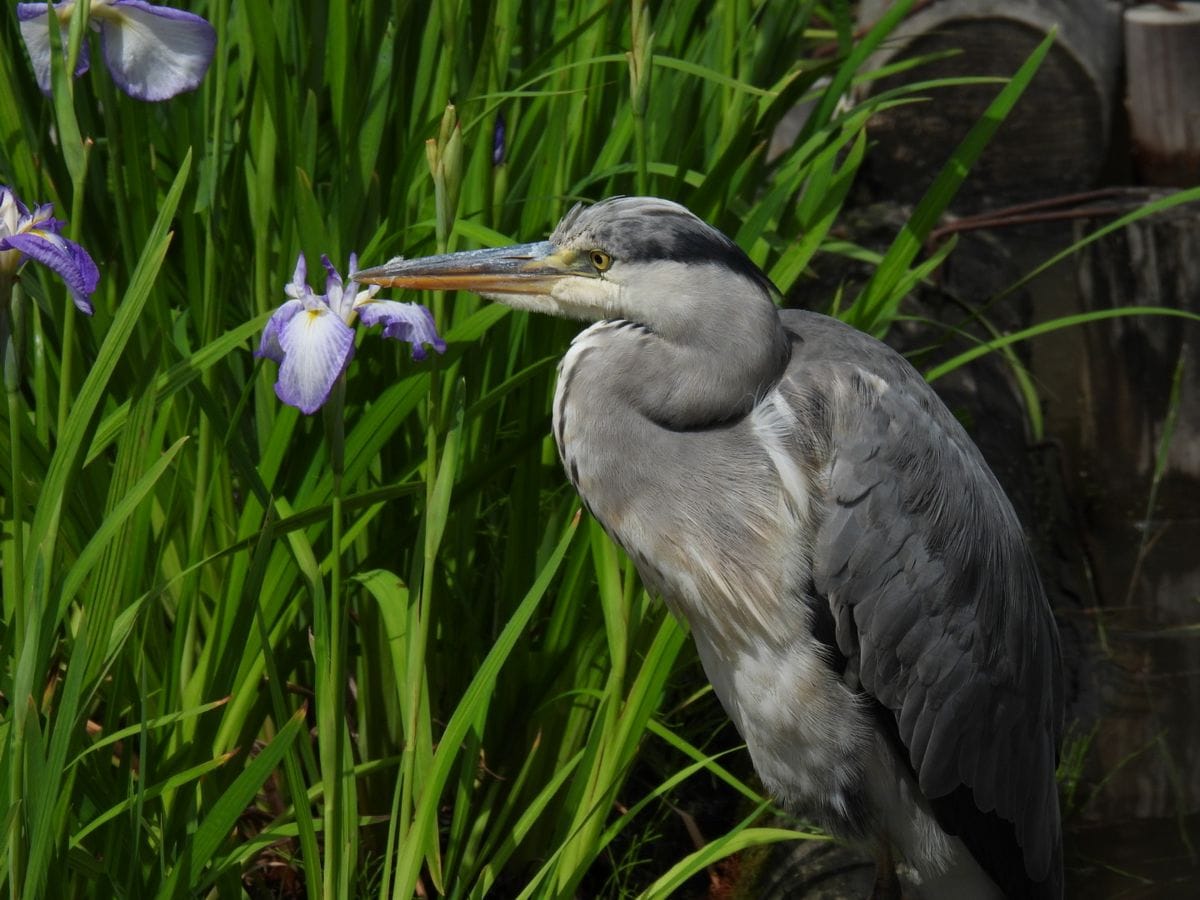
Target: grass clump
375,650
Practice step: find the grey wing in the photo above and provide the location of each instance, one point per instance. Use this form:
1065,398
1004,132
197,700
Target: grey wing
936,597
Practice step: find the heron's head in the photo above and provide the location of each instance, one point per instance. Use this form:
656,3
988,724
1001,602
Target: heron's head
647,260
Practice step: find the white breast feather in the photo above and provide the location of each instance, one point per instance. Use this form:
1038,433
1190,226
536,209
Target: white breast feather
774,421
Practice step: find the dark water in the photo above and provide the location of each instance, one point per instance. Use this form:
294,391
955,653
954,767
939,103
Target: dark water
1122,402
1133,829
1143,859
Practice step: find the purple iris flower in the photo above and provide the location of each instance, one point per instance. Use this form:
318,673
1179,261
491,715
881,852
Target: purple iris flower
498,135
38,235
311,335
153,52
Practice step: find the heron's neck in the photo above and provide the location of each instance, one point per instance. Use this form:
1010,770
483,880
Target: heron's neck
624,399
703,371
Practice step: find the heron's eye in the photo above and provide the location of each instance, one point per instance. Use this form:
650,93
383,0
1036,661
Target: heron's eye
601,260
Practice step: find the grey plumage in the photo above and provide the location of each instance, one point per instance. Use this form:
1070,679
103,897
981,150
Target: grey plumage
857,584
926,569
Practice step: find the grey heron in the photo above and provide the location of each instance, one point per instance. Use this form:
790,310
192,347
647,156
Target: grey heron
858,586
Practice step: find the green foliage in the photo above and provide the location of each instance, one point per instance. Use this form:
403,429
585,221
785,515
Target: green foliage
377,646
892,280
206,571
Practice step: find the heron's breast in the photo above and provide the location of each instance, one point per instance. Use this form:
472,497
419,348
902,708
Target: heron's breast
716,520
718,523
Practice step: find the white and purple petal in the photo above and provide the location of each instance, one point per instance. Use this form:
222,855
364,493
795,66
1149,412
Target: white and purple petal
339,297
403,322
317,346
298,287
360,297
70,261
12,211
269,346
34,22
42,219
154,52
331,273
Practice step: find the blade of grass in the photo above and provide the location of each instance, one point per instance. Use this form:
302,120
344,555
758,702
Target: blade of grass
936,372
741,838
215,827
42,554
876,305
477,694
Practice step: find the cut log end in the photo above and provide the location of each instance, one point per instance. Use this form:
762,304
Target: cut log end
1163,92
1055,141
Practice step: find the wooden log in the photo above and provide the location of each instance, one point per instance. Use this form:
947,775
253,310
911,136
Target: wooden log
1162,91
1140,412
1132,360
1054,142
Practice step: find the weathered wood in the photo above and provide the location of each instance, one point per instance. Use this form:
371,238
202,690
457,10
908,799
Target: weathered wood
1054,142
1162,91
1132,360
1146,564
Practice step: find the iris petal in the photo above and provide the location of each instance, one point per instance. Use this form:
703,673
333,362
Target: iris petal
42,219
339,297
12,212
317,346
155,52
311,335
269,346
34,21
298,287
404,322
68,259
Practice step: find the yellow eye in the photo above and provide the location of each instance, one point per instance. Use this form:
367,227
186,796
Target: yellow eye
600,260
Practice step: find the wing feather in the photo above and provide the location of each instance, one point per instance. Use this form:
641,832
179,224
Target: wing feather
935,593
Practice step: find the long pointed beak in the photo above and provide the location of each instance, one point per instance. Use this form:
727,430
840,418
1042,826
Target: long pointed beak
520,269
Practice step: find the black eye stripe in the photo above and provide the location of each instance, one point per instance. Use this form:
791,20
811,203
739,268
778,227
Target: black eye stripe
645,230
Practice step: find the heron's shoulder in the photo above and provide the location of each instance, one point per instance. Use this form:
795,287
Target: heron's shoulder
820,339
836,364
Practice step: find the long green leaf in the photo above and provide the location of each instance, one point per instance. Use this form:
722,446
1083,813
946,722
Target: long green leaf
936,372
44,532
45,524
178,780
215,827
90,554
480,689
877,304
149,724
734,842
